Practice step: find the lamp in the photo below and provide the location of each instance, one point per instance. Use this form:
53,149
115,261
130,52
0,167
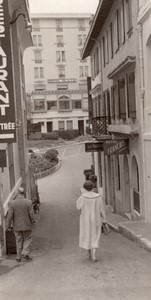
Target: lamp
28,24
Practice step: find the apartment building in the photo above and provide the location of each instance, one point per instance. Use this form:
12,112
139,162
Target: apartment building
119,46
15,37
56,76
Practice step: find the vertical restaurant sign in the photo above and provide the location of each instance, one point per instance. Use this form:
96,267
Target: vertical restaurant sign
7,108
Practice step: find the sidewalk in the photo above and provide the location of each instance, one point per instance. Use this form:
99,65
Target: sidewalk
138,231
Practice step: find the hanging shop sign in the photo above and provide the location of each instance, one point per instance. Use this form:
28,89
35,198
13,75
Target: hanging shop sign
116,147
93,146
7,109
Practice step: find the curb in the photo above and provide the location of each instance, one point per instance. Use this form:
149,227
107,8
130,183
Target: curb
138,238
49,171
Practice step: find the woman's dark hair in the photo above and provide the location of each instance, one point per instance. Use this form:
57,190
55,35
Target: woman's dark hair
88,185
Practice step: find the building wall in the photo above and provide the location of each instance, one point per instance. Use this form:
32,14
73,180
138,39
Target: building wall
71,44
119,184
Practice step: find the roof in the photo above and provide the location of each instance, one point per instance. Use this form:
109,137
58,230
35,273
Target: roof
97,25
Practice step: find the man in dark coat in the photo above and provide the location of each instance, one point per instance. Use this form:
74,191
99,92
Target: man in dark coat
21,214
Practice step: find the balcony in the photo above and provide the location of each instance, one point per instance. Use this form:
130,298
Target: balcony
100,127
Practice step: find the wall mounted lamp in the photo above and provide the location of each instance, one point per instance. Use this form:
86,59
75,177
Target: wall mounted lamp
28,25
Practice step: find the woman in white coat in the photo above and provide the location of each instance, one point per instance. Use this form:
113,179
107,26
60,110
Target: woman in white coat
92,215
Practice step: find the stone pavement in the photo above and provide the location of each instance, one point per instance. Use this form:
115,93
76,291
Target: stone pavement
137,231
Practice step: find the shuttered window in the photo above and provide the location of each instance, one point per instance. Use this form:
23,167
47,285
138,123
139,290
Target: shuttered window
122,98
131,95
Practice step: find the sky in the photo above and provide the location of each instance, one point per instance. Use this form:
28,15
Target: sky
63,6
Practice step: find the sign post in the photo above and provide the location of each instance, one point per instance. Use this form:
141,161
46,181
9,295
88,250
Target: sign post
93,146
7,107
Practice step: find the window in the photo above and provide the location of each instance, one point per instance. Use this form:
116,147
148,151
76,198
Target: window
59,25
116,31
51,105
113,102
85,103
111,40
35,40
11,165
60,41
61,125
64,103
81,25
60,56
131,95
36,25
69,124
81,39
96,62
38,58
122,23
103,51
76,104
61,71
39,72
39,104
129,16
107,47
122,99
36,73
83,71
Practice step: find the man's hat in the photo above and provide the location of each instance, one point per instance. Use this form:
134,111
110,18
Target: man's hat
21,190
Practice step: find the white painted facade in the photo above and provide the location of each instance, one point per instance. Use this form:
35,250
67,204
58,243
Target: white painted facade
55,73
121,78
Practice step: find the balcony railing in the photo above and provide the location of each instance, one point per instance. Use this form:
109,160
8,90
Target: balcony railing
100,126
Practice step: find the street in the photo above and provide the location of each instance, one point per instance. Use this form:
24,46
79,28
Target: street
60,269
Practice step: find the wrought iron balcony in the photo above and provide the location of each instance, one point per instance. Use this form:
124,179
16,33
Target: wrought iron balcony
100,127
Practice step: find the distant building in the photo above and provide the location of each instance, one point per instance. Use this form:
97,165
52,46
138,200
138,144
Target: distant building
56,76
119,43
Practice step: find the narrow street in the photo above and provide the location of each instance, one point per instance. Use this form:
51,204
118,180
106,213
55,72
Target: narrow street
60,270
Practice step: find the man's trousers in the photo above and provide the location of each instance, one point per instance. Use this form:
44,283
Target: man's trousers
23,242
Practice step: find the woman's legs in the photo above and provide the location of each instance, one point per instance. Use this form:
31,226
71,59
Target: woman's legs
93,253
89,253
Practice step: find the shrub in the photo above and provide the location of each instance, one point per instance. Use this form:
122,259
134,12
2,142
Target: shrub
51,155
50,136
68,134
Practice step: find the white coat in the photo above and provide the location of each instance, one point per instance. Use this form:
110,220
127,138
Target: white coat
92,214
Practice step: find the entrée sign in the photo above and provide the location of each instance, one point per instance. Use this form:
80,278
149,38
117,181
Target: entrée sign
7,109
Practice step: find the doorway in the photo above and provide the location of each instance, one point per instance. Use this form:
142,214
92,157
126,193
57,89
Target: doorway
127,202
81,127
49,126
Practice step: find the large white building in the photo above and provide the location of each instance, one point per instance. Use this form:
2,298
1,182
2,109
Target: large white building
56,77
119,43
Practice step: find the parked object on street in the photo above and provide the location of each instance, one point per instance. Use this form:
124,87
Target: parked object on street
92,215
21,214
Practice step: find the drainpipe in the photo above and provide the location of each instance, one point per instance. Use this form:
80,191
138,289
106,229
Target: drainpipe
142,92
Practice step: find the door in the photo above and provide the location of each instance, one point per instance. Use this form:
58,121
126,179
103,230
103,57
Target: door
81,127
49,126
